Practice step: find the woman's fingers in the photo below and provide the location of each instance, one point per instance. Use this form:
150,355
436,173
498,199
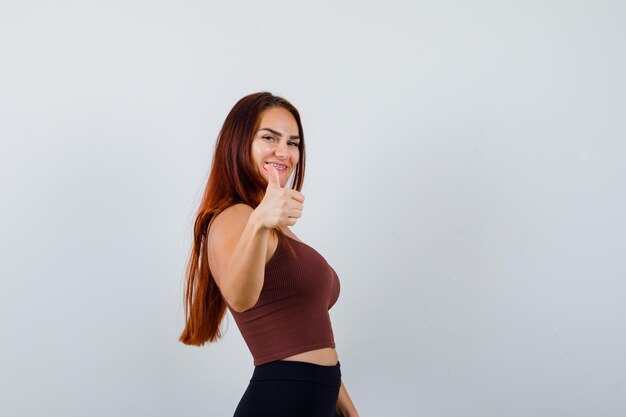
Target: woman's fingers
295,213
296,195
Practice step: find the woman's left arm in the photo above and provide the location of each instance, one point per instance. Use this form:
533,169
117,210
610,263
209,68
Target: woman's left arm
345,407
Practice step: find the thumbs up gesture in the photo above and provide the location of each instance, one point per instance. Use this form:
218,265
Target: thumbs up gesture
280,206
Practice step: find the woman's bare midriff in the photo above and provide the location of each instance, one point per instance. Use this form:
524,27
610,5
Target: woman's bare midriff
324,356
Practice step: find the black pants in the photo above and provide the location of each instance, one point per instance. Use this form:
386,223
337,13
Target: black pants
291,389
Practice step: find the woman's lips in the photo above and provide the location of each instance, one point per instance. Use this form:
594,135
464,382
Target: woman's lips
280,168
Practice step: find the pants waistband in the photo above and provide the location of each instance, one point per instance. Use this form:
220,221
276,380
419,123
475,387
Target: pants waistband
298,371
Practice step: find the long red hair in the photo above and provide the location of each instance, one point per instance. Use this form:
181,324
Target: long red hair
233,179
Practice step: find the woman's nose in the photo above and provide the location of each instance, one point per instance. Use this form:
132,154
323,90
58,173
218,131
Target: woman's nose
281,151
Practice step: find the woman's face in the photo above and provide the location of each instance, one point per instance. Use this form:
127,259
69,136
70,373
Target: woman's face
276,142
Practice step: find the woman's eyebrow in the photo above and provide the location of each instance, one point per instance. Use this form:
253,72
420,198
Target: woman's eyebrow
279,134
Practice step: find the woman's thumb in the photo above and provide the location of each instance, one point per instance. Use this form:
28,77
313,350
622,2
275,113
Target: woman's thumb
274,177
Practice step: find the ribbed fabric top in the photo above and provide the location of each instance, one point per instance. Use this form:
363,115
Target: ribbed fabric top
291,315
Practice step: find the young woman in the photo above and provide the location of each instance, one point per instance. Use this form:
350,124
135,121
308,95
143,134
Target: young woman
245,258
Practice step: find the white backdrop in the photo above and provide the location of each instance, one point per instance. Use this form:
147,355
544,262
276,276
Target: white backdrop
466,176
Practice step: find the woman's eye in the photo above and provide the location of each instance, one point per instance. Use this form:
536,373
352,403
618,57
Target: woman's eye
268,138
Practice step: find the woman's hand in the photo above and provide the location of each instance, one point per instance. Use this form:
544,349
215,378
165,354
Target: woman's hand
345,407
280,206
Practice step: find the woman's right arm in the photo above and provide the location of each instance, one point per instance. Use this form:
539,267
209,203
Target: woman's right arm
237,252
239,238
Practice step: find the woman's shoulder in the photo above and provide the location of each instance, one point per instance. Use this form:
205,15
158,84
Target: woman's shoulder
239,209
234,211
232,218
226,229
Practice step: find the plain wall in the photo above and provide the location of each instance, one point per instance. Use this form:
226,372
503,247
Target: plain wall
465,178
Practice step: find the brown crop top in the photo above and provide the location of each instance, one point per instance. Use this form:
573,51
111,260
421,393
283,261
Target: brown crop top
291,315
